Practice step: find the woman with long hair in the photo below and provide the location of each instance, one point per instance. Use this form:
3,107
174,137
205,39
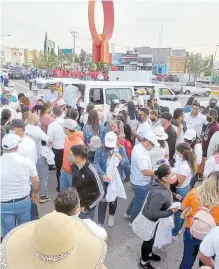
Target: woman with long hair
109,148
191,138
159,200
132,118
185,167
114,111
45,116
122,116
92,128
188,106
206,195
5,117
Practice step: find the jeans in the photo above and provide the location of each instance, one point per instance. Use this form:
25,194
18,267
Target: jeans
135,206
43,170
88,215
191,249
178,222
127,171
103,206
58,161
11,213
65,180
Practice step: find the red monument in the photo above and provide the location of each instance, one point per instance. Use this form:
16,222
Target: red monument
100,41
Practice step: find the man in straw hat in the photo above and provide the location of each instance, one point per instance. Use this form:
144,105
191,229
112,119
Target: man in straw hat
16,185
55,241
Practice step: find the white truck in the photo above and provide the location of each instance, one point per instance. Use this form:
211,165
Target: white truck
192,88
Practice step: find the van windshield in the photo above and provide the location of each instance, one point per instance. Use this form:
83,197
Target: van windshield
166,94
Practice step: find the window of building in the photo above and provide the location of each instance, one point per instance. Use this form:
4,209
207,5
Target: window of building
14,53
96,96
146,68
145,60
118,93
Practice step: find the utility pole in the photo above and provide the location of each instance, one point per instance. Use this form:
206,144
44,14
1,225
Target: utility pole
214,61
73,33
113,48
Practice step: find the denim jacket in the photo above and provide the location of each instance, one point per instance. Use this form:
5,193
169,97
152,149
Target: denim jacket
88,133
101,157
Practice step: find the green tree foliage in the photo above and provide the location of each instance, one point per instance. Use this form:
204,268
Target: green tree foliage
197,64
48,60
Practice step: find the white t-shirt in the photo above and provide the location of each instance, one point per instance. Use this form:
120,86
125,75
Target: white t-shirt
16,172
183,168
56,132
210,245
158,153
195,123
211,165
180,139
140,101
140,160
50,97
27,148
143,129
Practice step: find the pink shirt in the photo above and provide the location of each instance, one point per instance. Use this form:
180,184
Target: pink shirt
45,121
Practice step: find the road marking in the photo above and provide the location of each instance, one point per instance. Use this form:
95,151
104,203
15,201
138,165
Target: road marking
20,85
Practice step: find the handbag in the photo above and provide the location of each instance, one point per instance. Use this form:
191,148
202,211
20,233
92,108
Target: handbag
143,227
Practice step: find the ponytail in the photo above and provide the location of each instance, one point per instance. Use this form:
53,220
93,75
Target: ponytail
188,155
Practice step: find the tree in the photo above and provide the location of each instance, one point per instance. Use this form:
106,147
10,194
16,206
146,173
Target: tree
196,65
82,58
48,60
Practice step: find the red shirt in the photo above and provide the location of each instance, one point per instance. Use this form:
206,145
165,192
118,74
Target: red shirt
127,145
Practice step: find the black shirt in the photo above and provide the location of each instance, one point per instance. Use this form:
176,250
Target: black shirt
88,184
171,141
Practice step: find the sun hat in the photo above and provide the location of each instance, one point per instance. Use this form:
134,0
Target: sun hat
111,140
55,241
10,141
151,137
160,133
70,124
190,134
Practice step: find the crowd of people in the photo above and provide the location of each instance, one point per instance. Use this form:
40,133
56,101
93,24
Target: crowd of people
171,162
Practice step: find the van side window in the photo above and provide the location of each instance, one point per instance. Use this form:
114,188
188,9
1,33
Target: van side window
165,91
118,93
96,96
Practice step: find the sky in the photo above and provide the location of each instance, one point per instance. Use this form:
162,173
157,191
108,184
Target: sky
192,25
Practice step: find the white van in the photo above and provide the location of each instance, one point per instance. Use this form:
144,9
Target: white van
102,93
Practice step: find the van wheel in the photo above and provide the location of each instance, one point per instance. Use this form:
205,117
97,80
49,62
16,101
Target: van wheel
207,94
187,92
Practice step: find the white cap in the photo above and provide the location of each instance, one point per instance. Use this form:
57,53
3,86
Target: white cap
82,105
10,141
111,140
160,133
61,102
116,101
138,91
11,84
190,134
70,124
151,137
35,88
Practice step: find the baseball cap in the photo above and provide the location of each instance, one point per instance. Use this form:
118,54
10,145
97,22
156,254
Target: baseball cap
111,140
70,124
190,134
82,105
151,137
116,101
10,141
35,88
138,91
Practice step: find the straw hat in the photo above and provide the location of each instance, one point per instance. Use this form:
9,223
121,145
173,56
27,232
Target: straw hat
56,241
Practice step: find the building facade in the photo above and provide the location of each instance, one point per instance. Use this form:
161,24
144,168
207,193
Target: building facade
31,56
5,55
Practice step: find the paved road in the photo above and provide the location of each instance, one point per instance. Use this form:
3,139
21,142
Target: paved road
123,245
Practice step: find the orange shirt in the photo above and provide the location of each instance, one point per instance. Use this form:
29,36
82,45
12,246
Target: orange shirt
192,200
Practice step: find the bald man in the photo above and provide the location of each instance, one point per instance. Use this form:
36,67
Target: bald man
38,135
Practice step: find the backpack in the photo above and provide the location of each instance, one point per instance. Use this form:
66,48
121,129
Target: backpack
202,223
